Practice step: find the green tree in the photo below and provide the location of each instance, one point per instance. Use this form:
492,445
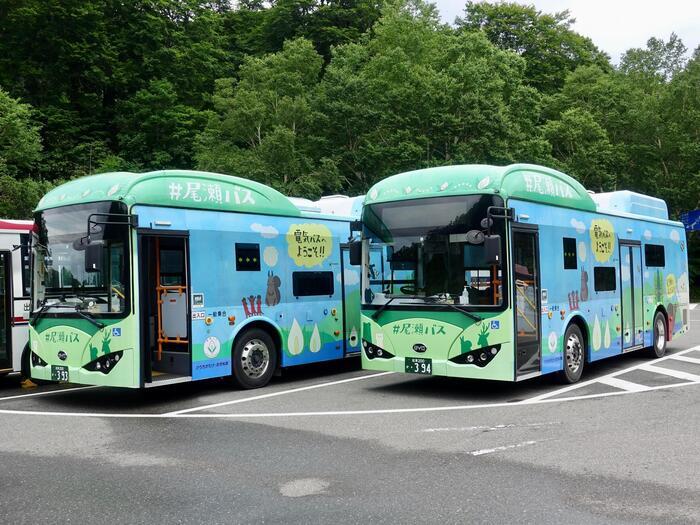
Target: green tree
549,46
18,198
415,94
582,149
664,59
263,123
155,130
20,144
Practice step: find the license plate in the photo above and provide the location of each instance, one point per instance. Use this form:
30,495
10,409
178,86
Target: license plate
419,365
59,373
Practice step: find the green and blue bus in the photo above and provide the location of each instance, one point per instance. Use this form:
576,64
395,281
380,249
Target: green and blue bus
507,273
141,280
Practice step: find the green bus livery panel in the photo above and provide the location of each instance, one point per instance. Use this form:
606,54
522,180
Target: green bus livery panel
605,268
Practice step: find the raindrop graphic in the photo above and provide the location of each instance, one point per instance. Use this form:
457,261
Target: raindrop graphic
628,334
295,342
596,334
606,341
315,343
353,337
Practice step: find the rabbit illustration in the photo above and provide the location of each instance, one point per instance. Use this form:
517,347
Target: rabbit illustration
273,296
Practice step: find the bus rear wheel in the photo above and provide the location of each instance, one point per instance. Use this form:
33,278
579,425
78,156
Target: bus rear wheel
254,359
574,355
659,338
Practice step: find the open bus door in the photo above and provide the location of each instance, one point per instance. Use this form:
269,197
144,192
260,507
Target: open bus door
526,299
165,309
5,312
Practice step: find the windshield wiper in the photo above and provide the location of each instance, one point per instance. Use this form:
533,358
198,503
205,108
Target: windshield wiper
88,317
375,315
44,308
471,316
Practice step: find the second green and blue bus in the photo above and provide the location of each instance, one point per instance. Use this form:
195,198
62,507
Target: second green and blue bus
508,273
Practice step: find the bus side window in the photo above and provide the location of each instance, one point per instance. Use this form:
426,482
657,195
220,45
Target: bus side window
604,278
654,255
247,257
570,257
306,284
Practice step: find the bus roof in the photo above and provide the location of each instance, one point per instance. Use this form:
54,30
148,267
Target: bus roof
15,226
176,188
521,181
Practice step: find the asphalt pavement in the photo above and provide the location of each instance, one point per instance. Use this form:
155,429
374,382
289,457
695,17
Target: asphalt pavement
333,443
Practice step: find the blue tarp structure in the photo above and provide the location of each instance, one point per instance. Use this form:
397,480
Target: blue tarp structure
691,219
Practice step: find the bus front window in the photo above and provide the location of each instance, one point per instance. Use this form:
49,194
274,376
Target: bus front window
431,252
59,250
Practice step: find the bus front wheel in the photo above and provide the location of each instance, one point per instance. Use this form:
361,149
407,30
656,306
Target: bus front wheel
574,355
659,339
254,359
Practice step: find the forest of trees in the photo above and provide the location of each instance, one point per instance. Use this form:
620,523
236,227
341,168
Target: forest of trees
319,96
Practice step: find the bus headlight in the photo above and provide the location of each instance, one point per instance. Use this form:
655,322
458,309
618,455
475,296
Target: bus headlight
373,351
38,361
479,356
105,363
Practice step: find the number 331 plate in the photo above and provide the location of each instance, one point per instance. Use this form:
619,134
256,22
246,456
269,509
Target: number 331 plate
419,365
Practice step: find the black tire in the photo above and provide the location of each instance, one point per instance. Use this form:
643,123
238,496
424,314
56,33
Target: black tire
25,369
254,359
574,355
659,338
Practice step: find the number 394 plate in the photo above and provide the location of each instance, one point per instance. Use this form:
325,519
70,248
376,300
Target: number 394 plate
419,365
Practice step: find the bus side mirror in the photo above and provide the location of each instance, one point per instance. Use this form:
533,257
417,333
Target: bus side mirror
93,257
355,251
492,249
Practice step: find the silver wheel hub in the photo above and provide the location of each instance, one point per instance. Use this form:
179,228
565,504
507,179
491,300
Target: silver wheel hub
660,333
255,358
574,353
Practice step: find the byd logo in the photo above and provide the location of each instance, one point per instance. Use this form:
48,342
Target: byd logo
62,355
419,347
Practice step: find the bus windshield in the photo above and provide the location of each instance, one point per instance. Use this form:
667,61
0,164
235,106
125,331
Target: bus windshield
430,251
59,252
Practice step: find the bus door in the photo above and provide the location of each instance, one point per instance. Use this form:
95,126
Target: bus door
350,277
165,316
632,295
5,310
526,299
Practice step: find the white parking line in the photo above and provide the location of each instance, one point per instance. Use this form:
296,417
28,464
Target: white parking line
498,449
274,394
686,359
673,373
688,380
600,379
48,392
379,411
623,385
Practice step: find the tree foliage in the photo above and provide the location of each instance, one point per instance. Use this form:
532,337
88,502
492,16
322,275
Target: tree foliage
316,96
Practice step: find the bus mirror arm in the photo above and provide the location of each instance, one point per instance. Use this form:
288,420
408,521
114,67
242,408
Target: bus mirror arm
497,212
